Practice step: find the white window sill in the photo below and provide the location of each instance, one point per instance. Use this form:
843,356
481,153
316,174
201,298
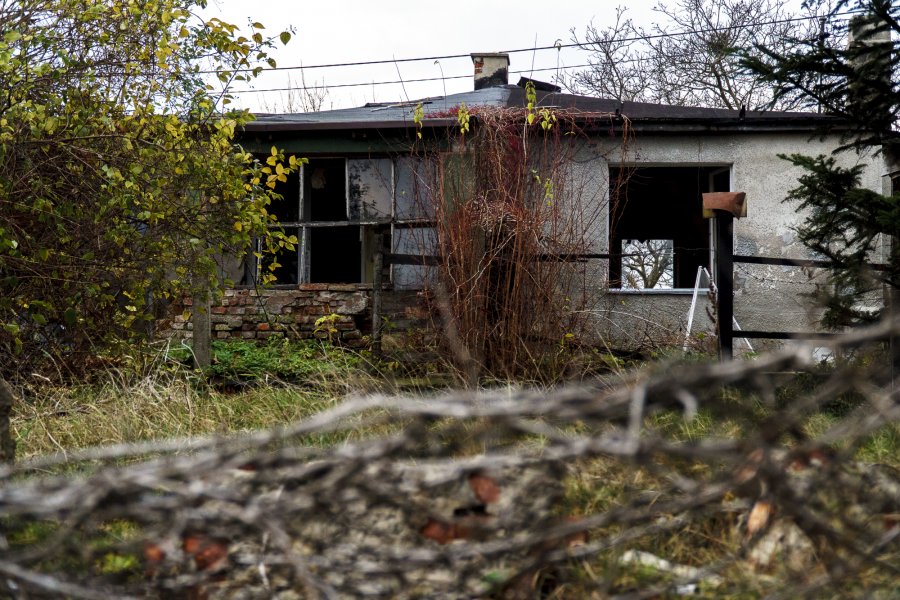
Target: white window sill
658,292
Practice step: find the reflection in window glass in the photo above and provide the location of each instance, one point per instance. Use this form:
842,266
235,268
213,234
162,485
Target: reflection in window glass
370,189
415,177
415,241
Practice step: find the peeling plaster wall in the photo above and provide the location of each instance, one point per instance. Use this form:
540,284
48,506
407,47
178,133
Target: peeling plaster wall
766,297
631,320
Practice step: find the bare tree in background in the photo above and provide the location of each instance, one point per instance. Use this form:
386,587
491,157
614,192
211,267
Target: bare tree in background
301,99
687,57
647,264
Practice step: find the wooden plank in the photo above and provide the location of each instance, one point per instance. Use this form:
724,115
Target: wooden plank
411,259
796,262
786,335
377,291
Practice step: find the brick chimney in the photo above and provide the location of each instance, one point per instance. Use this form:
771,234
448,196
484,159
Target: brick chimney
491,69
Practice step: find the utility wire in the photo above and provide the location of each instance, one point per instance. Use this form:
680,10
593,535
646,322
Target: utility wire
396,81
637,38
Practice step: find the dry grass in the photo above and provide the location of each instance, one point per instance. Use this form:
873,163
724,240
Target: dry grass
68,418
710,535
602,484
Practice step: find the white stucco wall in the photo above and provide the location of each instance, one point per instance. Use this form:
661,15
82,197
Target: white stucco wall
766,297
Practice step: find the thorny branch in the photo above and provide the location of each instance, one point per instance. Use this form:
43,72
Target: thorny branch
464,494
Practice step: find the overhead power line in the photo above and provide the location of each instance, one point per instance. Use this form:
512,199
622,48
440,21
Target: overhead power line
524,71
637,38
393,82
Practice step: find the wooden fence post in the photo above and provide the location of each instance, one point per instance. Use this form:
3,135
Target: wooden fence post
724,207
7,441
377,285
202,328
724,237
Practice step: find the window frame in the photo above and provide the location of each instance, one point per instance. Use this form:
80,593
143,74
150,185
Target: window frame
713,169
304,226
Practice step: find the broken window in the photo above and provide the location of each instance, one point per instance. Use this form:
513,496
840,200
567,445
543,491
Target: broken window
337,208
657,224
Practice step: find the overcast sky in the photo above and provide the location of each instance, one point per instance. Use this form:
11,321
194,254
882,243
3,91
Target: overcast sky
341,31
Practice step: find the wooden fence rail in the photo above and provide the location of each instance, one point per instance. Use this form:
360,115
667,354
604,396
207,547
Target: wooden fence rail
723,229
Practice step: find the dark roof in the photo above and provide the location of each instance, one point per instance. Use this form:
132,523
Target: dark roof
441,112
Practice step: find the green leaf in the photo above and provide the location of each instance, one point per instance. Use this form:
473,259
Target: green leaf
285,37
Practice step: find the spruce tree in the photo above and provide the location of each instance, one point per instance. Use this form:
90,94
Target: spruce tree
856,82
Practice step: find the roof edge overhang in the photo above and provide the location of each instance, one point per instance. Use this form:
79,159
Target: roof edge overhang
813,124
782,125
266,127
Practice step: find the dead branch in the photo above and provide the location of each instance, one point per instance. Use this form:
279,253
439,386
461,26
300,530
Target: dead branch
468,495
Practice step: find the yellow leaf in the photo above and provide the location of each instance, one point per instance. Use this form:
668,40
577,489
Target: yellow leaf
238,226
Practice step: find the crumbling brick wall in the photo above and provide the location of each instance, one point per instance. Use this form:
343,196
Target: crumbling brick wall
251,314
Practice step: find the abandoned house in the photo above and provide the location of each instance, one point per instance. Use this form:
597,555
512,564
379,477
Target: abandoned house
629,180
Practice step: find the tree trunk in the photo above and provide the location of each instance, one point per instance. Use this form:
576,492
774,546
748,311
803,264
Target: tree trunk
7,443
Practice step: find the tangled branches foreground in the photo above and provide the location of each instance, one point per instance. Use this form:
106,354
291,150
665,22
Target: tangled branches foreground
470,494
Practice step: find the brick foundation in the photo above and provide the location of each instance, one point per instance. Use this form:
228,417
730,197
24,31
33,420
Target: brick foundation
252,314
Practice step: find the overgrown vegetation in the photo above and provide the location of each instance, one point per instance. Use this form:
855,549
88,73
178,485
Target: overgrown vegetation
599,505
517,207
120,182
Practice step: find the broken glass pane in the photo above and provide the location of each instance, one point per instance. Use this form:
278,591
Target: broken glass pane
415,178
415,241
648,264
370,188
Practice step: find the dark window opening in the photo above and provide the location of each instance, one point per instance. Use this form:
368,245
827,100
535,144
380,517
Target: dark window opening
288,269
657,224
325,190
287,208
337,208
335,255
